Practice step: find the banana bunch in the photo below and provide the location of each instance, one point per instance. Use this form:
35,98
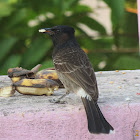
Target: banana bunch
32,82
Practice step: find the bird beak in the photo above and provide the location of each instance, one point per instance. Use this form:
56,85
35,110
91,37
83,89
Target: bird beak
46,30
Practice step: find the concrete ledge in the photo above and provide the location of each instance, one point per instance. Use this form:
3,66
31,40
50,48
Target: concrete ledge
25,117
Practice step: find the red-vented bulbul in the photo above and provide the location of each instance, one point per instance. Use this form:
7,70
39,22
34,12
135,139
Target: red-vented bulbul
77,74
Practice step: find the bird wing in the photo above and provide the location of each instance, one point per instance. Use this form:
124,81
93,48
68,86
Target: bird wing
75,65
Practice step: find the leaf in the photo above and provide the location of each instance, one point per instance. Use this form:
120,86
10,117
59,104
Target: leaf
64,5
102,43
67,5
12,62
127,62
130,31
96,59
5,9
38,49
6,46
93,24
16,18
117,7
81,9
47,64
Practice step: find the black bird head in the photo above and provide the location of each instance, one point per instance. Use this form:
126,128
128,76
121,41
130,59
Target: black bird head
60,33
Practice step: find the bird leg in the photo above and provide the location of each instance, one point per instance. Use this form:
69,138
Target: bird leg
59,99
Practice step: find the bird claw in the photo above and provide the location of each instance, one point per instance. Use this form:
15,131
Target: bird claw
57,101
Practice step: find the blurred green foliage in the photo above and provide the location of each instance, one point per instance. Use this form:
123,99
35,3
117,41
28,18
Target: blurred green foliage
22,45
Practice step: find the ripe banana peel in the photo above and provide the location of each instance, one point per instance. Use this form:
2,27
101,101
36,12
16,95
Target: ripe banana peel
49,74
17,74
46,74
36,86
7,91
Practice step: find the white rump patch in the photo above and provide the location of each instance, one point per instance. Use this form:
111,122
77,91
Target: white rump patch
112,132
83,94
42,30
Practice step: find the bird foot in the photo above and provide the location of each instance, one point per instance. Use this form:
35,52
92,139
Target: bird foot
57,101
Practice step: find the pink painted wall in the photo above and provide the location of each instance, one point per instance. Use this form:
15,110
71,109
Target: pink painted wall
70,124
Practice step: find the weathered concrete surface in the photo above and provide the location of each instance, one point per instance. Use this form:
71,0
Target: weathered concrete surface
24,117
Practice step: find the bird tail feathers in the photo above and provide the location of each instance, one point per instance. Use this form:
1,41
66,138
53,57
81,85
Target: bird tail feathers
96,121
